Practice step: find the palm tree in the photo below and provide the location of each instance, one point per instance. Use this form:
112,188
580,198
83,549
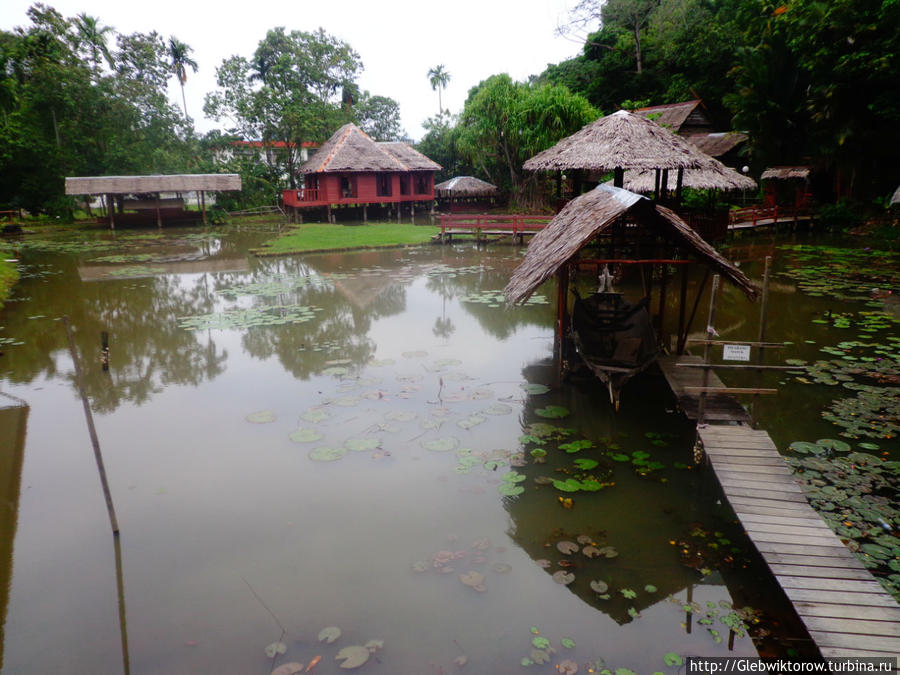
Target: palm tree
438,77
91,32
179,59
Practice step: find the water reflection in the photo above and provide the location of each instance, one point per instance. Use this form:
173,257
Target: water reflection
13,426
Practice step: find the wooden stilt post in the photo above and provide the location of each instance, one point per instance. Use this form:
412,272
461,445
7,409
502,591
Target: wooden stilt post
656,186
365,213
678,185
710,336
203,204
562,313
682,340
682,309
110,208
329,218
761,337
664,185
662,303
158,215
618,177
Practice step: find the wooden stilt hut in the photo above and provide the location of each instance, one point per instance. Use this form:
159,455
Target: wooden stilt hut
462,193
610,226
623,140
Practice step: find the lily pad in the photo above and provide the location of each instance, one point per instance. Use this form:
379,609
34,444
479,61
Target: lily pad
441,444
291,668
353,656
329,634
534,389
833,444
586,464
568,643
326,454
315,415
567,547
567,667
261,417
552,412
275,649
474,580
306,435
510,489
563,577
362,444
591,551
599,586
541,642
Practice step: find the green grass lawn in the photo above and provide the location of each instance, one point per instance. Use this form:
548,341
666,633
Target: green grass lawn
9,274
322,237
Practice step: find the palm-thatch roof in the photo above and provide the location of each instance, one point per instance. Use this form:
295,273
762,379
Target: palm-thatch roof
623,140
587,216
350,149
465,186
717,143
698,179
896,198
785,173
100,185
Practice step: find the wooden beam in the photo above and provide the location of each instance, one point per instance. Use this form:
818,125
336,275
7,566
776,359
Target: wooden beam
728,390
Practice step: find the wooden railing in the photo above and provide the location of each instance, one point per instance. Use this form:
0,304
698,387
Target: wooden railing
307,194
516,225
769,215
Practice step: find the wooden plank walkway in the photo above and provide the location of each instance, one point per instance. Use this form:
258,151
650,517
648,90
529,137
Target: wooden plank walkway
845,610
717,408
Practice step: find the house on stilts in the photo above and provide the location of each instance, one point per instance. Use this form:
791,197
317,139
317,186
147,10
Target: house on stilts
351,170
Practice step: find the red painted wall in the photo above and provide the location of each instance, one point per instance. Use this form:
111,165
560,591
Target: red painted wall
365,189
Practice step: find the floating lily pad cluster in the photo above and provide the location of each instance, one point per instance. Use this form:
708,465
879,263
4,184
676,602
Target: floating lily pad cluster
856,494
722,617
705,550
348,657
135,271
872,371
844,273
497,299
542,650
124,258
473,566
239,319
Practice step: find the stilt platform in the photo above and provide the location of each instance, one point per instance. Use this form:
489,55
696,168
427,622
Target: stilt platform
845,610
717,407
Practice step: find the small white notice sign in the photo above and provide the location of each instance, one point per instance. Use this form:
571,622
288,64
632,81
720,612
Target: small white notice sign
735,352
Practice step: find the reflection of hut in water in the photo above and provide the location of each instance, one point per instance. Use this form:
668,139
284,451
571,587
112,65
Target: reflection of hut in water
786,186
611,227
465,193
13,424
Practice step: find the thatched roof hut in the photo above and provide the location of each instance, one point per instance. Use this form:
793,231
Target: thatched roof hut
785,173
623,140
465,186
717,143
192,182
350,149
593,214
703,179
680,117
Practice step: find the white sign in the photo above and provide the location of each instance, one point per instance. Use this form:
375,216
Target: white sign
736,352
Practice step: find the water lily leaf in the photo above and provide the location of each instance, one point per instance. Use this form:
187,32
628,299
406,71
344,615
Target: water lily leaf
261,417
563,577
374,645
567,547
291,668
586,464
510,489
599,586
471,421
362,444
441,444
591,552
353,656
498,409
540,642
833,444
576,446
650,588
540,655
567,667
568,485
552,412
608,552
326,454
315,415
568,643
401,415
306,435
329,634
805,447
473,579
526,661
274,649
501,568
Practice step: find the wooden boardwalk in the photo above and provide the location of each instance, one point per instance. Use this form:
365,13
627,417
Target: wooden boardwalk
717,408
846,611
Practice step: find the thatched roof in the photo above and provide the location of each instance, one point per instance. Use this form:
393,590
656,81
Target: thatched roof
674,115
465,186
702,179
785,172
589,215
351,149
718,143
623,140
99,185
896,198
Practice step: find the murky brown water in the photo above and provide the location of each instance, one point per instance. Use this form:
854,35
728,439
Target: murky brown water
395,366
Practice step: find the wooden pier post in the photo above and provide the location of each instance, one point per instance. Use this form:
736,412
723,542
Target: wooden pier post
710,335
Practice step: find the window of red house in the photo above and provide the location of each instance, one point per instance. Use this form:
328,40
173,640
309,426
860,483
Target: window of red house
421,185
404,185
348,187
383,186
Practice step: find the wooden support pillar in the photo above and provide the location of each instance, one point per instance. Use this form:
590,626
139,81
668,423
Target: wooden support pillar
682,340
329,218
559,185
562,313
678,186
365,213
662,303
203,204
110,208
710,336
761,336
656,185
664,184
158,215
412,211
618,177
682,309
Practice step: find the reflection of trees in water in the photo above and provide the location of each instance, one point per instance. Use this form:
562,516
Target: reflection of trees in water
147,349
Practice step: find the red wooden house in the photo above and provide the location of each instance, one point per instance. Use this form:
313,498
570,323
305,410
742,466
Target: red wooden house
351,169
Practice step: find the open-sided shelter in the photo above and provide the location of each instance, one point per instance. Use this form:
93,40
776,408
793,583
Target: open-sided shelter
462,192
610,226
352,169
137,187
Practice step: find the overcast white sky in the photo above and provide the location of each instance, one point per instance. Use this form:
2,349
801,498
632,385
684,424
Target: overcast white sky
397,40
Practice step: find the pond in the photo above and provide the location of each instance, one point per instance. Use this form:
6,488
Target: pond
355,460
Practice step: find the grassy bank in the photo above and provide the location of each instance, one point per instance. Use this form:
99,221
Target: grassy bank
9,273
319,237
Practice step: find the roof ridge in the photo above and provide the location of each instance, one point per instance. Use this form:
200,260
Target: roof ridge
380,146
338,144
